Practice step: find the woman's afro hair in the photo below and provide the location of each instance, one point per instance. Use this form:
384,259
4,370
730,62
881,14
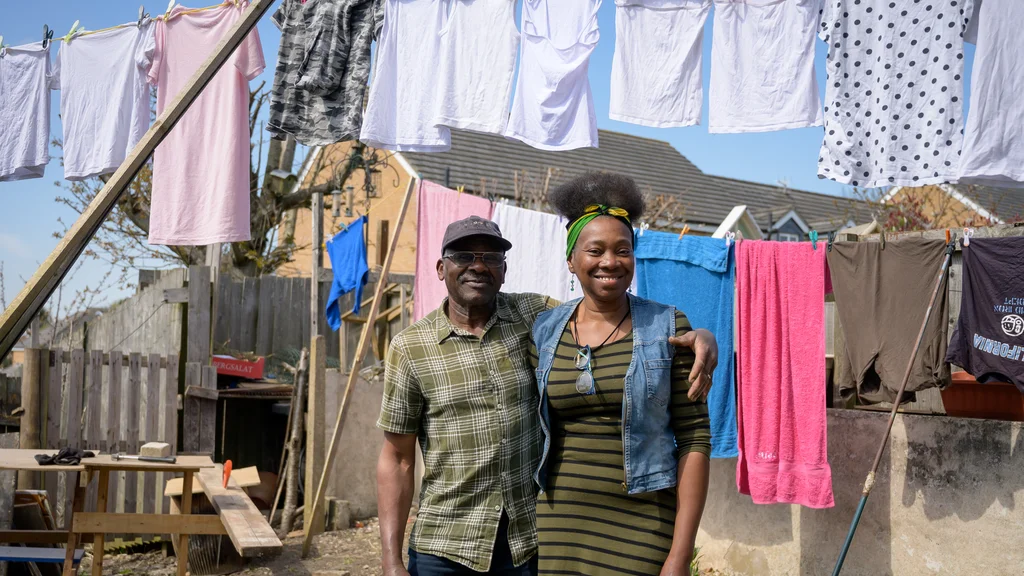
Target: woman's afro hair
613,190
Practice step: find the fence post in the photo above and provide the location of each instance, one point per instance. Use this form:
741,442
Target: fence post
316,425
31,391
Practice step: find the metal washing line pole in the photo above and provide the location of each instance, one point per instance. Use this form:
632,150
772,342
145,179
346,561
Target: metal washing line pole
869,482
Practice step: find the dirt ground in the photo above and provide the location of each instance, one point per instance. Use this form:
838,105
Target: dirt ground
353,552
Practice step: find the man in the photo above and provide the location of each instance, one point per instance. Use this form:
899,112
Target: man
460,382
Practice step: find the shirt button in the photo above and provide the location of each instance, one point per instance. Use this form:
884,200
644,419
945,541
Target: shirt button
504,440
499,406
497,508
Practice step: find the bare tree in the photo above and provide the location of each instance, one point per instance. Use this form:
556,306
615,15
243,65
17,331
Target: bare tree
922,208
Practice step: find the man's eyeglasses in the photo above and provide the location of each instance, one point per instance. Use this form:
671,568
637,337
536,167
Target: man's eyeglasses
464,259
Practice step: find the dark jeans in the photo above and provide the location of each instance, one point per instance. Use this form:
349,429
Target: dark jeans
501,561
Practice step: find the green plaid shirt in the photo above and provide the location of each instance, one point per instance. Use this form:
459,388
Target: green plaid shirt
473,404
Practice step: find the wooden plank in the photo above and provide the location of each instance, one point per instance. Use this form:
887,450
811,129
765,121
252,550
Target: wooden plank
186,508
248,529
151,430
222,312
54,395
192,409
8,478
282,316
130,408
364,341
208,413
71,431
94,438
124,359
101,507
34,536
265,316
199,304
37,555
24,459
112,392
234,304
168,418
37,290
303,308
200,392
176,295
248,309
316,425
193,524
243,478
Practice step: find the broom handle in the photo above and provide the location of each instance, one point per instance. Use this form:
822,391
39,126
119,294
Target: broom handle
869,482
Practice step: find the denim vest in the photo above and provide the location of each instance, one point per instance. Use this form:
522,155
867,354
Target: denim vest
648,442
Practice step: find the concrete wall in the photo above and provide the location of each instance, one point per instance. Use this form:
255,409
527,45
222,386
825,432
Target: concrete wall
945,502
355,467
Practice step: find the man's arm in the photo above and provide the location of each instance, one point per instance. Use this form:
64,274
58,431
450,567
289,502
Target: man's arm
396,469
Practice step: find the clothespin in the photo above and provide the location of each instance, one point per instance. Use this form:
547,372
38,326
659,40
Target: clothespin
882,237
3,49
729,237
75,30
831,239
47,36
643,227
686,228
968,234
142,15
170,6
814,239
461,189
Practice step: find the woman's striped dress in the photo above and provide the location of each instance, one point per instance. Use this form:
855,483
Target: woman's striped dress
586,522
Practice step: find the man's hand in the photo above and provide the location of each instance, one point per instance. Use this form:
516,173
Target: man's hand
704,346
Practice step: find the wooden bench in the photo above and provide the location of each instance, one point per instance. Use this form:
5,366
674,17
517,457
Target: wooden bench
37,555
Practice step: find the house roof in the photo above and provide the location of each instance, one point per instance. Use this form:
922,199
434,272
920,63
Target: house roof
488,164
1006,203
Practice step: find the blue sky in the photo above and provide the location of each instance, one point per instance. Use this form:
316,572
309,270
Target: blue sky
26,235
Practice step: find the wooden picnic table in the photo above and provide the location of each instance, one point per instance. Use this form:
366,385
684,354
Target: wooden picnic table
101,522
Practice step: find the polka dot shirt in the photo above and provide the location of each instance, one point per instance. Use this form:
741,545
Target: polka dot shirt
894,94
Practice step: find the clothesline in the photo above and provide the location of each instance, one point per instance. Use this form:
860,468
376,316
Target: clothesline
73,34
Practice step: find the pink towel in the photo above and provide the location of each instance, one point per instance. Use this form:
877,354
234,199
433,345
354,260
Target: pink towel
438,207
781,379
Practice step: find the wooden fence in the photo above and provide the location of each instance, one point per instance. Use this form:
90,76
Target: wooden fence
10,399
271,314
110,402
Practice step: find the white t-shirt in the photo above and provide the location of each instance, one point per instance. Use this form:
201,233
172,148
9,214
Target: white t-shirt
762,66
656,69
402,102
894,94
476,63
104,98
994,138
24,111
553,108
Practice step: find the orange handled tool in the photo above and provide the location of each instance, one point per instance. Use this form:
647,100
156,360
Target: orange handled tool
227,472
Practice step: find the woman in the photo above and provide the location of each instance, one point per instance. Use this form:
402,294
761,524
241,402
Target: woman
608,378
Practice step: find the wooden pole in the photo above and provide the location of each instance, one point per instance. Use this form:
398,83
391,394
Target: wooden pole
318,263
42,284
31,391
353,375
315,429
294,443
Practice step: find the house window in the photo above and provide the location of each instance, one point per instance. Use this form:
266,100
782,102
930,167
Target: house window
787,237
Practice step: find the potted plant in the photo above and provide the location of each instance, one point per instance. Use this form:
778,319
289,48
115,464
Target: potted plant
968,398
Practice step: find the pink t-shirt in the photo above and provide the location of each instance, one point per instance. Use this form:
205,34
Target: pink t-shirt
201,170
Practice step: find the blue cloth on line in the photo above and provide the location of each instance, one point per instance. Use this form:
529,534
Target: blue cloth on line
698,276
347,251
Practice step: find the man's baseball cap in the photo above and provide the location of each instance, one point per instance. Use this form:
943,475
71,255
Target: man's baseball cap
472,227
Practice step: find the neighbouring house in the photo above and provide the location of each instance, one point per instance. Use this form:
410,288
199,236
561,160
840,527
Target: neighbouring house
504,170
956,205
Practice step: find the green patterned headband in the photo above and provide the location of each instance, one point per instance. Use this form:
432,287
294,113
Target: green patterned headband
592,211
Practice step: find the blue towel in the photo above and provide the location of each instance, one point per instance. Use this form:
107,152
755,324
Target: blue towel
347,251
698,276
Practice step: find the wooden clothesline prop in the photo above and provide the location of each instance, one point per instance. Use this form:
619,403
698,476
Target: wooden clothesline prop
353,374
869,482
48,276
